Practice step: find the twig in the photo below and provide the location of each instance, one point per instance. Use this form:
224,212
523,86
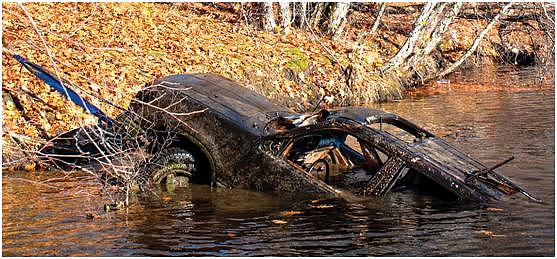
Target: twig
476,43
378,19
84,22
33,182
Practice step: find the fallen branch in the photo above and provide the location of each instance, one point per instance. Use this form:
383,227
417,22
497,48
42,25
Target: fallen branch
476,43
377,19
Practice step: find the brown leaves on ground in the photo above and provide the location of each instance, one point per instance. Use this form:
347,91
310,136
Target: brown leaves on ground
112,49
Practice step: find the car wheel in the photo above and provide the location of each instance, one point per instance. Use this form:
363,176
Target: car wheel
171,167
320,170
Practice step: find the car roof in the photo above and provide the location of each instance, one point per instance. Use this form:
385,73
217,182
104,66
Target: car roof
240,105
360,114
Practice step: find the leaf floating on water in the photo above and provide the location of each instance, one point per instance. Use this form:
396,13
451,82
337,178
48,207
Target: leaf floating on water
30,167
92,215
278,221
494,209
290,213
322,206
488,233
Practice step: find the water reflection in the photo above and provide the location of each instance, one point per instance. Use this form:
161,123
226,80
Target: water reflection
41,220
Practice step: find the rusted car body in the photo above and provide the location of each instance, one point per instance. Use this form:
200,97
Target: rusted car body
208,129
239,138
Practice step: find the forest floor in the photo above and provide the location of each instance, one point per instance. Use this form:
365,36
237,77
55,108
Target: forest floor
113,49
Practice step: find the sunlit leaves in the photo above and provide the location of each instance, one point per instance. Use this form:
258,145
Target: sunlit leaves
112,49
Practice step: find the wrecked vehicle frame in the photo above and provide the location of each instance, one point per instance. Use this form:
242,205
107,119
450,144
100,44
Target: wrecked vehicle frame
208,129
241,139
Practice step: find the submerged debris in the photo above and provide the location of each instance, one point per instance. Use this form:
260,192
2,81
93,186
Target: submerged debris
114,206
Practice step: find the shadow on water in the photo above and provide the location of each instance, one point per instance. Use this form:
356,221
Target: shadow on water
50,219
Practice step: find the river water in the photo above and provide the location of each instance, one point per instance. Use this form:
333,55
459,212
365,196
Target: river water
489,114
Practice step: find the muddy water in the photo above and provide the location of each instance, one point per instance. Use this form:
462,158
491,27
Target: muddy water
514,116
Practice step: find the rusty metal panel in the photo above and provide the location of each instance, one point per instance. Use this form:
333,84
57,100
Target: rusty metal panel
384,179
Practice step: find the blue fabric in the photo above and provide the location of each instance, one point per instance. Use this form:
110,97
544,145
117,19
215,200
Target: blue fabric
51,80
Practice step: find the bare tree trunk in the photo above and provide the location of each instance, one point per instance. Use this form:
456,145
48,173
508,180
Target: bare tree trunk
438,33
476,43
338,18
414,36
378,19
434,35
286,15
303,14
318,11
270,23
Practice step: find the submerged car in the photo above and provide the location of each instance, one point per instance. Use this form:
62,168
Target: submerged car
206,129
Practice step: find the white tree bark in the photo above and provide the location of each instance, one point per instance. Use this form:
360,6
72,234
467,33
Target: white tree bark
270,23
434,34
317,14
303,14
378,19
476,43
338,18
414,36
438,33
286,15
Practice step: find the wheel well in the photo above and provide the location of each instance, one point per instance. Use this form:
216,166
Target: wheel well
205,168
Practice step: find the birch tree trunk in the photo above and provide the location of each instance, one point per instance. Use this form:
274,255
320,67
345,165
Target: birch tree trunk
434,34
338,18
286,15
476,43
270,23
438,33
414,36
303,14
378,19
317,15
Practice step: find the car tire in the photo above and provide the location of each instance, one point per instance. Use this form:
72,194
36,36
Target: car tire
321,170
171,166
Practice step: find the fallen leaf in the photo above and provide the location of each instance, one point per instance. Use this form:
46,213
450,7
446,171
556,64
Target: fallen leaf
494,209
290,213
488,233
30,167
322,206
278,221
91,215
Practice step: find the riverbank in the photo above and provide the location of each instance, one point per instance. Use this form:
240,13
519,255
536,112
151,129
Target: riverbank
113,49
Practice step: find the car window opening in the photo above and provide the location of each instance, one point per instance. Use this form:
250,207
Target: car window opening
414,181
337,158
395,131
400,129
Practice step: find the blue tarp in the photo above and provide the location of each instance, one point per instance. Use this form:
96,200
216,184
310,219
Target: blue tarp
56,84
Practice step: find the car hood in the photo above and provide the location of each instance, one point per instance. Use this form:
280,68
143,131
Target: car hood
458,166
